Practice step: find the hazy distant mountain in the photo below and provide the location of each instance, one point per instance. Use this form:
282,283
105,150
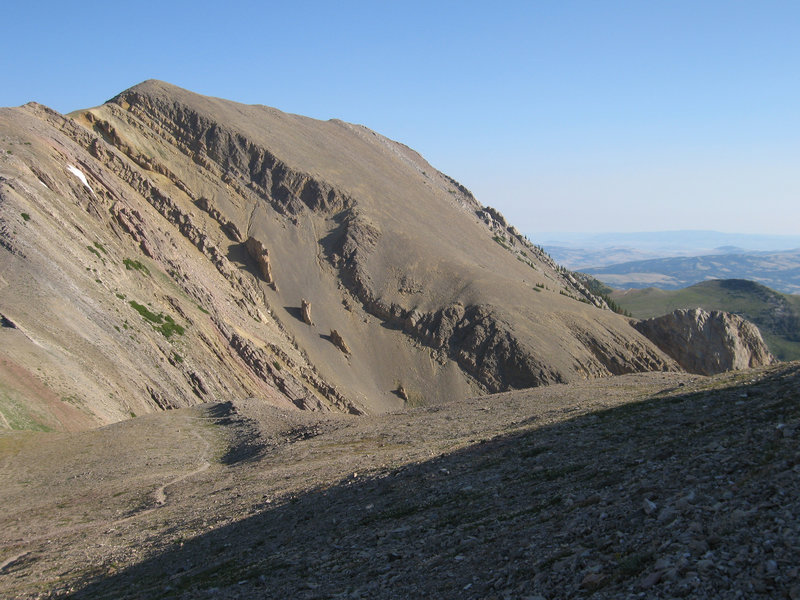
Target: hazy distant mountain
778,270
580,251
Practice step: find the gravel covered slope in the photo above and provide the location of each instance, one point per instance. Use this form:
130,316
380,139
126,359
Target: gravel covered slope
658,486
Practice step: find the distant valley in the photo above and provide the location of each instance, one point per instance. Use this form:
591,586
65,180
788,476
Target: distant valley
580,251
778,270
676,259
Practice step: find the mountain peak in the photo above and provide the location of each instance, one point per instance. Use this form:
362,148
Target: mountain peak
250,214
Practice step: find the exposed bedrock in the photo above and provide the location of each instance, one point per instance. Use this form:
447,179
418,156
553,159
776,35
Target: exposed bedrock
707,342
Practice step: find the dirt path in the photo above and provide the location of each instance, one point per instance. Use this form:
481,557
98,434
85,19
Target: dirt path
160,495
6,424
27,543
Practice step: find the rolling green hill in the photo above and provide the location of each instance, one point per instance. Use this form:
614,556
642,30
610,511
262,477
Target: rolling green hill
777,315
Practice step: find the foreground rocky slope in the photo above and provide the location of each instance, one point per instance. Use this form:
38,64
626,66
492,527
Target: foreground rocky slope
708,342
657,485
166,248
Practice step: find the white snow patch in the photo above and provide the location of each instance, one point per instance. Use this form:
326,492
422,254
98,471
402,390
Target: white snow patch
44,184
79,174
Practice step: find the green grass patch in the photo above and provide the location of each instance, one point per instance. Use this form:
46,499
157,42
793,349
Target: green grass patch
501,241
94,251
228,572
135,265
18,415
25,217
170,327
162,323
100,247
146,312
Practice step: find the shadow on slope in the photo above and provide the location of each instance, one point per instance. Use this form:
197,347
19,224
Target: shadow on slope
680,495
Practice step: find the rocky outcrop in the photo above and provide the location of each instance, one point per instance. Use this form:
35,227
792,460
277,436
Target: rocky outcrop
260,254
243,165
228,226
338,341
305,311
707,342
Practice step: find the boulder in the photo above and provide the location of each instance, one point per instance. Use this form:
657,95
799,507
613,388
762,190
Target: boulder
338,341
305,311
706,342
257,251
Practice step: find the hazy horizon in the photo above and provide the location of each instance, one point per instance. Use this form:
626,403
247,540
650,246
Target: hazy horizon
667,242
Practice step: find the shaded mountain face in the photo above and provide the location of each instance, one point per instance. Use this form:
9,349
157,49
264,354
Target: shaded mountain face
167,248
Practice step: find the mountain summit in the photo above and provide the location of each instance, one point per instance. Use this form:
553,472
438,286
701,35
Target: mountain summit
167,248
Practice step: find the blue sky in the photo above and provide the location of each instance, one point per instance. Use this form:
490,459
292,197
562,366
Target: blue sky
566,116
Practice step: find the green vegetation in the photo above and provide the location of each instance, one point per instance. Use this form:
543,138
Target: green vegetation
25,217
160,322
598,288
100,247
18,413
146,313
502,241
135,265
94,251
